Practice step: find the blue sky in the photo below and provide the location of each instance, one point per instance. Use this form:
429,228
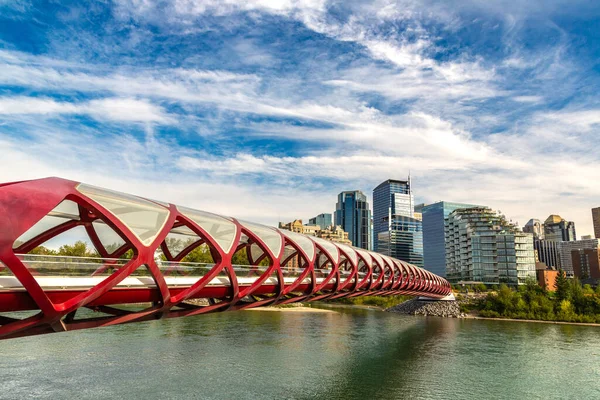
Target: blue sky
267,109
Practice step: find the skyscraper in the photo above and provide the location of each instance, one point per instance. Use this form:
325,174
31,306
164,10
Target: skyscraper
396,231
482,246
353,214
557,229
434,236
535,227
392,197
596,221
567,248
548,252
403,240
322,220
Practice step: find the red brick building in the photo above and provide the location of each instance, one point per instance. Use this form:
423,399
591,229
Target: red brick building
586,263
546,276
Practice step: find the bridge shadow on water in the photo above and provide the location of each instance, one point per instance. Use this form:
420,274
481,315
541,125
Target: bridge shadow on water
393,362
354,354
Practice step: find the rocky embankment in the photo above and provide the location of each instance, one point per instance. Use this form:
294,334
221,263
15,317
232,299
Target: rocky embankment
448,309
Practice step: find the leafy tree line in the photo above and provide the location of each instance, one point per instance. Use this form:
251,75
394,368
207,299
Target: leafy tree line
200,254
571,302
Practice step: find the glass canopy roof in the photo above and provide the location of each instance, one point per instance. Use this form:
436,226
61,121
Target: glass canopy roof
329,247
144,218
366,255
268,235
349,251
302,241
222,230
378,258
66,210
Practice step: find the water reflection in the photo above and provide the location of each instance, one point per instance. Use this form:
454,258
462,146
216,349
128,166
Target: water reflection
353,354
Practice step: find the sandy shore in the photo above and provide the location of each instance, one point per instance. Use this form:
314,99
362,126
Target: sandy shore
292,309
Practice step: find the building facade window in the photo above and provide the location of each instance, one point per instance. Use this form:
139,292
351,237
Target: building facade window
353,214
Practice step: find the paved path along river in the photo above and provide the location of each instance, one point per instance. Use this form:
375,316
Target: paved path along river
351,354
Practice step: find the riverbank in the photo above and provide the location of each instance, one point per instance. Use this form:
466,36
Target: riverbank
471,316
451,309
293,309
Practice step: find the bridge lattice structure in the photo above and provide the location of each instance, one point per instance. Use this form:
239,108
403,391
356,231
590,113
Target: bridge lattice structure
44,293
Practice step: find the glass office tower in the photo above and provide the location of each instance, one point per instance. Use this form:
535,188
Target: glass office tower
404,240
323,221
353,214
434,236
396,232
557,229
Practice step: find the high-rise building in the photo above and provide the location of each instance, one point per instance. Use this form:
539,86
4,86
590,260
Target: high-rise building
535,227
567,248
596,221
353,214
482,246
548,252
396,232
557,229
322,220
418,211
390,198
404,240
434,236
586,263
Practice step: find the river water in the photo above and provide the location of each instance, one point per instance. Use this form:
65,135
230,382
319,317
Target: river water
351,354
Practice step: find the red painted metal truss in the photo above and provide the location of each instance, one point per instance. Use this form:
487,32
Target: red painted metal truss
143,249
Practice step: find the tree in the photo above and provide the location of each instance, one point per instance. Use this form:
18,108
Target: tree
43,251
563,288
531,289
566,311
480,287
200,254
78,249
504,300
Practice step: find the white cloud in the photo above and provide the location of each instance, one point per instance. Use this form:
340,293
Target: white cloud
528,99
106,109
31,105
127,110
584,120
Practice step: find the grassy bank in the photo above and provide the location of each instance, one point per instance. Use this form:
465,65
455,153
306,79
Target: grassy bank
571,302
375,301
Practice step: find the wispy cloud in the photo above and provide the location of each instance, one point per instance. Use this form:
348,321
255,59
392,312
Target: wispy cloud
107,109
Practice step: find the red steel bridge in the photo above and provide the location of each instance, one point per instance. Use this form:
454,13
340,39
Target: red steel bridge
143,266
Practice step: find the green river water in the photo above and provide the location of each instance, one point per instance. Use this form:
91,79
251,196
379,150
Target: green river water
351,354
